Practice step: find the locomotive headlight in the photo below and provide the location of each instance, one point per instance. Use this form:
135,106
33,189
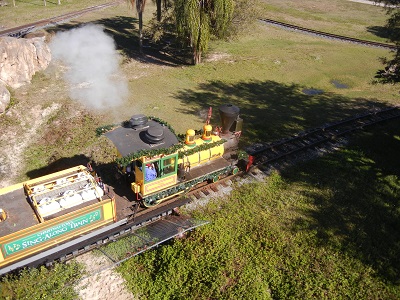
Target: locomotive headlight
190,135
207,129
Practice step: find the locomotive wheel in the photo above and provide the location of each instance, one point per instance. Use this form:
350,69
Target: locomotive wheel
151,202
215,178
155,200
235,170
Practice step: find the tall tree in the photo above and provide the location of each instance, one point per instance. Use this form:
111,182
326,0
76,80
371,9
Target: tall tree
159,9
392,70
159,5
198,20
140,4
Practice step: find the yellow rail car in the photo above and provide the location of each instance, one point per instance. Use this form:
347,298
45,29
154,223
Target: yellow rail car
50,210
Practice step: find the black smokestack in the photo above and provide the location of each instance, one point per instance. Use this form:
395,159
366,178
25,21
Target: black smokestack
228,114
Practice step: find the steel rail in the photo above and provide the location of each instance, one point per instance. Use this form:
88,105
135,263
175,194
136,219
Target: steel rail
329,35
20,31
329,133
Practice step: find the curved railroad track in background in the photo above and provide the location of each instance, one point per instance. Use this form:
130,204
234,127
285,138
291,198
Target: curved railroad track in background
329,35
22,30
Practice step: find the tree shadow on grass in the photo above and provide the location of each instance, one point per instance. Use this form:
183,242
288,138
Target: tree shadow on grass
380,31
124,31
59,165
358,213
126,35
271,110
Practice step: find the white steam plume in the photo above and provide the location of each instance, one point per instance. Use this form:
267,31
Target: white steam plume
93,66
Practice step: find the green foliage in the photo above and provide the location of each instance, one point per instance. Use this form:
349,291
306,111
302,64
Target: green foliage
391,73
129,245
245,14
105,128
13,100
42,283
124,161
197,21
223,11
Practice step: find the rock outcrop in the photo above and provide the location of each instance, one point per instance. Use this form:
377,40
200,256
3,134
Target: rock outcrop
4,98
21,58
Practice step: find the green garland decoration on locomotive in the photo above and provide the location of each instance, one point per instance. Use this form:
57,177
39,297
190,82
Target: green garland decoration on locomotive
126,160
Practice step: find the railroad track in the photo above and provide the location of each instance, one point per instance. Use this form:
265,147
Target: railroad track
328,35
323,136
25,29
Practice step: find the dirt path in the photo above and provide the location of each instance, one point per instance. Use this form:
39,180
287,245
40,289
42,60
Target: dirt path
106,284
16,140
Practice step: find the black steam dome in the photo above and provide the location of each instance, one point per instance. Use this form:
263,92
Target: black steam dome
229,113
142,134
138,121
154,135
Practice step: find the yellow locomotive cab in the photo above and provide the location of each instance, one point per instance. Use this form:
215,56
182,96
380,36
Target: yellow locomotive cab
155,174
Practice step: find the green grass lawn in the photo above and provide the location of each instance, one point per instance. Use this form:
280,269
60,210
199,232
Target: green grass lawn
342,17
